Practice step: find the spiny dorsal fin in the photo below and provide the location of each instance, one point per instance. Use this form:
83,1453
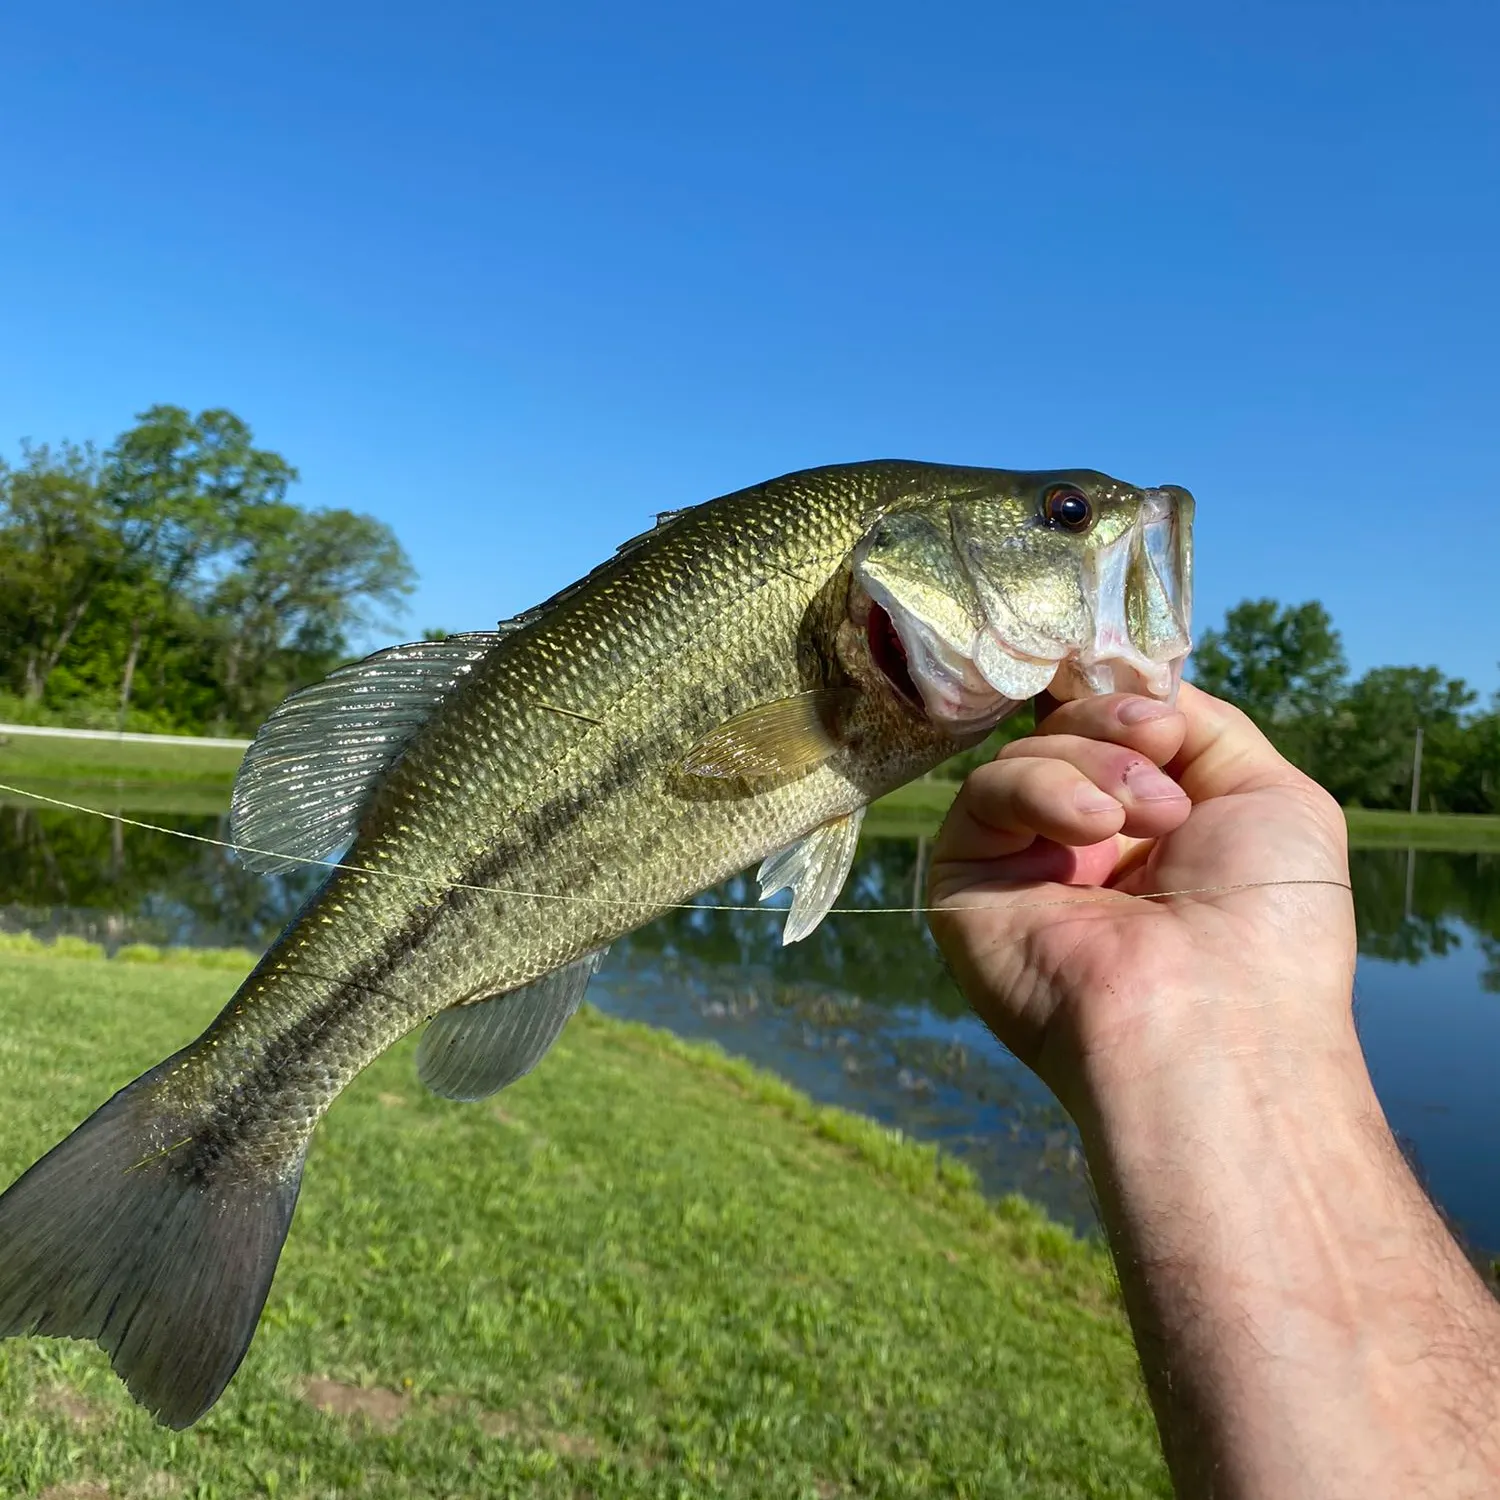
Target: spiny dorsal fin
472,1051
815,868
785,738
309,773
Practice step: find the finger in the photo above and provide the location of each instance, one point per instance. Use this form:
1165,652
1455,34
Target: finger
1025,787
1155,729
1005,805
963,884
1122,771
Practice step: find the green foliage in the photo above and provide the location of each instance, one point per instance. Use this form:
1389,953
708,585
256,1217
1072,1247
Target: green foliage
169,584
1372,741
56,552
645,1270
1284,665
1277,662
140,953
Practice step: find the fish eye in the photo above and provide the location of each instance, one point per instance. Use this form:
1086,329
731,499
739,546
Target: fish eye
1068,509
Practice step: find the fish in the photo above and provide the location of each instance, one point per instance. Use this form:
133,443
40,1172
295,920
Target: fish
735,685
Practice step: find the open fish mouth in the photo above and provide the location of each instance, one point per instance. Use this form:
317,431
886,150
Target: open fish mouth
1142,606
950,645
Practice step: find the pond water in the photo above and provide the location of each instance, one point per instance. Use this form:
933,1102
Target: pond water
861,1014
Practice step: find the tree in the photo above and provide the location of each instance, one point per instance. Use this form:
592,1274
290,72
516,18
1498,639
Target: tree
1284,665
180,490
173,580
300,582
1277,662
1474,783
55,551
1373,737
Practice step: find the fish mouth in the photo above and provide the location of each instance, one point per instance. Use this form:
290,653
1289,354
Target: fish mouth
1141,596
888,652
965,675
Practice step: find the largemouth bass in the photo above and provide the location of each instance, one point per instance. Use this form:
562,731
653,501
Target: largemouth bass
735,685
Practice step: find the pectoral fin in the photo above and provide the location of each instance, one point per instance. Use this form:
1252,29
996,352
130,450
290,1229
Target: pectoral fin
815,868
784,738
475,1050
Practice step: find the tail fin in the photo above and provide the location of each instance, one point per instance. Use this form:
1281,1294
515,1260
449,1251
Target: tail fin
137,1233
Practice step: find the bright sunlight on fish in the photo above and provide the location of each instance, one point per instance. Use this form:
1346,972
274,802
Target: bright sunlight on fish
735,685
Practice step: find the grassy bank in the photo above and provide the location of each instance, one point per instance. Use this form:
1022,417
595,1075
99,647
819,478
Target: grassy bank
111,763
919,808
165,777
1375,828
645,1270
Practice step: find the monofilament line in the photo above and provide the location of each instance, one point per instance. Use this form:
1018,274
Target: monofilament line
496,890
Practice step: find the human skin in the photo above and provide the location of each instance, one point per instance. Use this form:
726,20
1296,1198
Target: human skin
1306,1325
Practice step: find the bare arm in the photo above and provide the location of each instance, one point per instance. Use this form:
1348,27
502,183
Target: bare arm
1306,1325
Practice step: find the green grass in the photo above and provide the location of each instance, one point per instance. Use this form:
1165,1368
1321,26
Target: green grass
644,1270
32,758
1375,828
919,807
916,808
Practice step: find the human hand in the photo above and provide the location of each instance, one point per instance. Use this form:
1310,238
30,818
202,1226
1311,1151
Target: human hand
1032,871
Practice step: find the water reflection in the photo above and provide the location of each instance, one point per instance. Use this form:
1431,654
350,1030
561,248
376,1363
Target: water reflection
1415,906
66,872
862,1013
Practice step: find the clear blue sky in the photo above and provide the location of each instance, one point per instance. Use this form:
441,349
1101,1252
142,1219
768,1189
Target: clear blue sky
513,278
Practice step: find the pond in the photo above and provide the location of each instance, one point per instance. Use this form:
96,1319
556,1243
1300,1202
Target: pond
862,1014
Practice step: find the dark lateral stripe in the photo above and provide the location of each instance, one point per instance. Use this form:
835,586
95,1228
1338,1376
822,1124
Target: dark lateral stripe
282,1055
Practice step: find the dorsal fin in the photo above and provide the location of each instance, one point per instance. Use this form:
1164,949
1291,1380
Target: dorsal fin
309,773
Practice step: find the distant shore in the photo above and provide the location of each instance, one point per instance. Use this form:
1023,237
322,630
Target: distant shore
167,773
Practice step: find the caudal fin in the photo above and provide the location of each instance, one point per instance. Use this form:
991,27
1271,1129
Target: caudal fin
135,1232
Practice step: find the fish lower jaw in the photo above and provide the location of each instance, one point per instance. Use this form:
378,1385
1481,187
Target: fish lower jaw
1090,676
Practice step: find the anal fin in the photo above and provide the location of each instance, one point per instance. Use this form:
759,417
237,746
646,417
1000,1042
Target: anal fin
471,1051
815,868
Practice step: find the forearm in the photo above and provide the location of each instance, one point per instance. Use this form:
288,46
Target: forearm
1306,1325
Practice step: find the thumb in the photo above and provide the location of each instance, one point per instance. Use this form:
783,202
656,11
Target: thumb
1224,752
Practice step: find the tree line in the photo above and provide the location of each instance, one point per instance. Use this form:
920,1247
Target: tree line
169,583
1373,741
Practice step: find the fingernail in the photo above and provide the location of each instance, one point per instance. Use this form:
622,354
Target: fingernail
1146,784
1142,710
1088,798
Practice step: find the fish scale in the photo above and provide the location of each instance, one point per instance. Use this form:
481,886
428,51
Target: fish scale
710,695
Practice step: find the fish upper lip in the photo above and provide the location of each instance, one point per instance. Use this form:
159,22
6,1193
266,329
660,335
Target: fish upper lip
1157,542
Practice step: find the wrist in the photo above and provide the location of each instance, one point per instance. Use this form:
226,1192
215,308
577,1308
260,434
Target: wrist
1291,1288
1193,1043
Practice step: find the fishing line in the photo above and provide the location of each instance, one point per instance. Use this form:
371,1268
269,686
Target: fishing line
495,890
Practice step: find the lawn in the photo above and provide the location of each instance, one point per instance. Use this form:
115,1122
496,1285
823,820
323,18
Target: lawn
33,758
644,1270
